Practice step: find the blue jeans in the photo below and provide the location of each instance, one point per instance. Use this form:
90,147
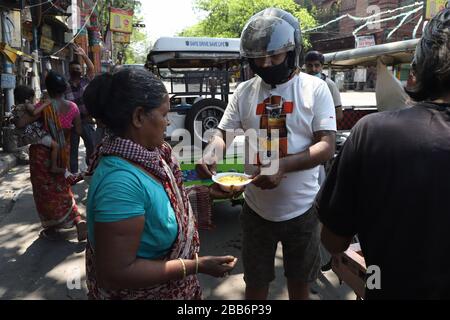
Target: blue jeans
88,136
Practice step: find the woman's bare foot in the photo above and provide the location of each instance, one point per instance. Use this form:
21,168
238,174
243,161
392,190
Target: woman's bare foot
82,230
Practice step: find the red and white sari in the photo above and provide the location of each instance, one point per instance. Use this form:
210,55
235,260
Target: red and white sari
161,164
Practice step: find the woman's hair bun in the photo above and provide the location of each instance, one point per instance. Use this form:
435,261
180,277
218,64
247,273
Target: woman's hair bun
55,83
112,98
97,95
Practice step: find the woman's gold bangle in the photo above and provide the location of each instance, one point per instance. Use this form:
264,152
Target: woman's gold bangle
184,267
196,263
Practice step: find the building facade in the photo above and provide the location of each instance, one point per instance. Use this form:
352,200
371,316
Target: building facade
347,34
35,37
339,35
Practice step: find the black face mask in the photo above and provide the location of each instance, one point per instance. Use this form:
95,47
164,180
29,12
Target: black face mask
275,74
75,74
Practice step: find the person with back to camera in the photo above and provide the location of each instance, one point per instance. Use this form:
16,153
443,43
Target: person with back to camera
390,182
52,192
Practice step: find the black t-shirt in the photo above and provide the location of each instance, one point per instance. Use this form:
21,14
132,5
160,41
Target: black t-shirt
391,185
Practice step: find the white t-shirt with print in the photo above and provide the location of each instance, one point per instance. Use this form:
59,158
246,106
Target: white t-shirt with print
312,110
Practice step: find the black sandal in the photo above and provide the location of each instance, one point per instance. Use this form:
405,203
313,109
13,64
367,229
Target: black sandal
50,234
81,230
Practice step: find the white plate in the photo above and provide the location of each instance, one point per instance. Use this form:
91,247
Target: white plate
235,187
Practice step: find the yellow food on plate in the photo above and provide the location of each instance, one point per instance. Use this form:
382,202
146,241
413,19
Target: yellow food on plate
232,180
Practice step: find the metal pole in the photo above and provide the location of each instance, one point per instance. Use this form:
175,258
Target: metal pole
35,81
7,67
34,43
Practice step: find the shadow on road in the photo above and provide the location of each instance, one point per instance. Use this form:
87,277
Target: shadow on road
32,267
225,239
41,271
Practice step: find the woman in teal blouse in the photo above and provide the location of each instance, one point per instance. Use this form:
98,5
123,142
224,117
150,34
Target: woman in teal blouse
142,235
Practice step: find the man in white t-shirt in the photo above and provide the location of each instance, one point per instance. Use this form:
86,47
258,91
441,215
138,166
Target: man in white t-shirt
293,116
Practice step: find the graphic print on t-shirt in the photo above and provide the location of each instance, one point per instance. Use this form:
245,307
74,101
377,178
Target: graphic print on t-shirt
273,111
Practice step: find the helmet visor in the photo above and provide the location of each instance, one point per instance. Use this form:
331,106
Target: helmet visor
267,36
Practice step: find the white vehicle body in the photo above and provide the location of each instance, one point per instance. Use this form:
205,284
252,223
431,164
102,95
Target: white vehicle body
195,71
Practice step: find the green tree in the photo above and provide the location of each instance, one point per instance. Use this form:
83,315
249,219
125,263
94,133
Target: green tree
136,51
324,15
227,18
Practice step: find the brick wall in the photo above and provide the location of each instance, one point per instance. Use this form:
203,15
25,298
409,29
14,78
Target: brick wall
359,8
345,27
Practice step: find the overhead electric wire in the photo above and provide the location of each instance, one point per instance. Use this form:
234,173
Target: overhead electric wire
385,19
77,34
37,5
417,27
401,23
354,18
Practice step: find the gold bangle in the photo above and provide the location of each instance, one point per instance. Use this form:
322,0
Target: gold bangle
196,263
184,267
